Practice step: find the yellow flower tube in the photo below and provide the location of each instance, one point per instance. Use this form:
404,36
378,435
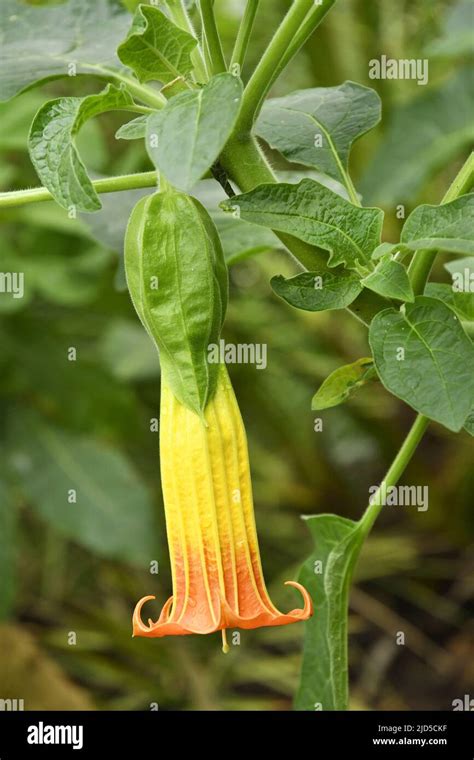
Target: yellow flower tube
217,574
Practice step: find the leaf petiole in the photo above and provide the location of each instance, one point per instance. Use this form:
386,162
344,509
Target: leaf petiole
211,39
106,185
243,35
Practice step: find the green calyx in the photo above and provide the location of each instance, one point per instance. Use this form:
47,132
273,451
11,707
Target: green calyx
178,282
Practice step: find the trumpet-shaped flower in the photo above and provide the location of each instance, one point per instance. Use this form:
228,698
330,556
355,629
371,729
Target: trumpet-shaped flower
216,569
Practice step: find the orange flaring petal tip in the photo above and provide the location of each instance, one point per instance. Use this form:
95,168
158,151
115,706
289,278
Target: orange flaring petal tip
215,559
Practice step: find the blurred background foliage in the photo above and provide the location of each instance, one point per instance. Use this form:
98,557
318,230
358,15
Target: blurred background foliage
87,424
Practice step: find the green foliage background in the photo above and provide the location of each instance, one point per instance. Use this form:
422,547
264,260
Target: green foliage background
87,422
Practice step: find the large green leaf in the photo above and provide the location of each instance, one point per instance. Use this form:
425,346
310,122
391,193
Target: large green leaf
423,137
318,291
178,283
343,383
113,513
390,279
156,48
79,36
52,149
315,214
424,357
448,227
185,138
327,575
317,127
8,542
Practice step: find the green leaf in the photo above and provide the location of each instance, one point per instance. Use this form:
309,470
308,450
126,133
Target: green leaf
457,38
327,575
113,513
343,383
133,130
315,214
8,543
424,357
390,279
448,227
424,136
318,291
177,279
461,303
79,36
185,138
317,127
52,149
155,47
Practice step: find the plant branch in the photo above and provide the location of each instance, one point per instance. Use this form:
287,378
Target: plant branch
211,37
243,35
422,262
270,66
107,185
394,473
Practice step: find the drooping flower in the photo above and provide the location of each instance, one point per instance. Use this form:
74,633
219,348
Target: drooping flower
216,569
178,281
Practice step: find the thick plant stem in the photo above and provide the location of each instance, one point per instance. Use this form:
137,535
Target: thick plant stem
243,35
107,185
270,66
246,165
211,37
394,473
422,263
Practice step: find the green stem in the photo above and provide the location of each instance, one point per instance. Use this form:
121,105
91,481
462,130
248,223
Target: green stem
243,35
394,473
143,92
107,185
211,37
180,16
270,66
419,273
422,262
137,109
